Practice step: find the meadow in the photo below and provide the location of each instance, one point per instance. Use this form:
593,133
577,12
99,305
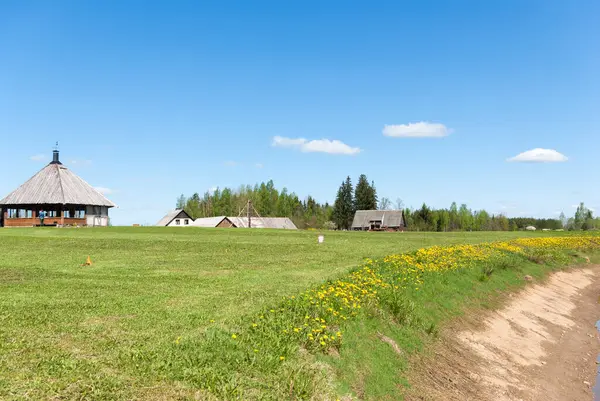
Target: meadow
159,312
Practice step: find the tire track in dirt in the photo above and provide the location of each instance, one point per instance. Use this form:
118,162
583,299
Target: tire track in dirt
542,345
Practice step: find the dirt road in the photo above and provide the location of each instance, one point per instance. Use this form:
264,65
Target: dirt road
542,345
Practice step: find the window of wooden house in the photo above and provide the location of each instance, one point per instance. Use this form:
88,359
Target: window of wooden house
79,214
186,222
51,213
12,213
22,214
67,214
177,222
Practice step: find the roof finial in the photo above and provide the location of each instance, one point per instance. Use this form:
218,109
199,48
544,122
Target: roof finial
55,159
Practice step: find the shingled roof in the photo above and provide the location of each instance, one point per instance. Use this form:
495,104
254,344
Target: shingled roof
55,184
388,218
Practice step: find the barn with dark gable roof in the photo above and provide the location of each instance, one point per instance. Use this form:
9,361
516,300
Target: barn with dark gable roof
64,198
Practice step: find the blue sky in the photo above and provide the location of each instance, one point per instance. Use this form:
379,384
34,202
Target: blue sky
153,99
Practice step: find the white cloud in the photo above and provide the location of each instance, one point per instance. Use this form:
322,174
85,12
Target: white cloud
417,130
104,191
230,163
259,165
82,162
38,158
317,145
288,142
539,155
508,206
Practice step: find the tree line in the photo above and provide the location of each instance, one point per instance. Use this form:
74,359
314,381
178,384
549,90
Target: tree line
308,213
266,199
462,218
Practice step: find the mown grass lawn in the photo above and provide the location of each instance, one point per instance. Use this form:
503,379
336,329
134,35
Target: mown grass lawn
72,332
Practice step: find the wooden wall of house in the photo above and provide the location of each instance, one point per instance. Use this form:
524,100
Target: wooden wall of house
225,223
47,221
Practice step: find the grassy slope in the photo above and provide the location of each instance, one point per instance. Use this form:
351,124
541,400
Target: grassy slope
370,369
64,329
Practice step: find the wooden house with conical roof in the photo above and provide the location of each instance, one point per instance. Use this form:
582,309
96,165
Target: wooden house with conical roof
60,195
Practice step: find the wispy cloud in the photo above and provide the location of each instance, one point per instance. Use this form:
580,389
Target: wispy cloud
231,163
417,130
508,206
104,190
259,165
316,145
80,162
539,155
38,158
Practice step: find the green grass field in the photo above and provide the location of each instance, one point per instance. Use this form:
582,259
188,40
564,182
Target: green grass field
74,332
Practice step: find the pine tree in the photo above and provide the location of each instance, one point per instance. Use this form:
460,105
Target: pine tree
373,198
365,196
343,208
349,203
338,207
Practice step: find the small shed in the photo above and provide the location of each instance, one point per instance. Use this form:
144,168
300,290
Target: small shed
379,220
176,218
530,228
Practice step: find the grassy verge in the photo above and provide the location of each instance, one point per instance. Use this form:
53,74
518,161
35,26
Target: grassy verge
369,366
363,326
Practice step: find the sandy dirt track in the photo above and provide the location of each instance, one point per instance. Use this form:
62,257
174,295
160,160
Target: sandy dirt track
542,345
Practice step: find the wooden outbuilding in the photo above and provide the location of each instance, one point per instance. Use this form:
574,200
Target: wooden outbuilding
379,220
58,194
